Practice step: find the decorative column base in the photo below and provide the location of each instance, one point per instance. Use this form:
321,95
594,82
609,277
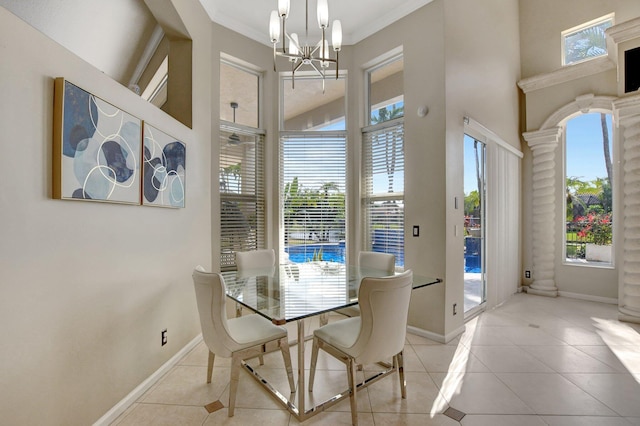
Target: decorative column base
628,318
543,288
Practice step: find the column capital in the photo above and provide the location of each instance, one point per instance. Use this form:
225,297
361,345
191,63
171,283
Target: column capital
543,138
626,110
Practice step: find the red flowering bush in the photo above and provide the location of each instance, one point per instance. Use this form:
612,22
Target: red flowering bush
597,228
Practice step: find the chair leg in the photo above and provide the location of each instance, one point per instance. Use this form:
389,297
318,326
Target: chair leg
314,360
284,347
399,360
233,385
210,366
351,372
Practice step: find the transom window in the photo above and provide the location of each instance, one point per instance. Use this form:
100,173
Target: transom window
586,41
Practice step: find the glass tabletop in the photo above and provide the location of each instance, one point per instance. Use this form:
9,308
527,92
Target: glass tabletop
294,291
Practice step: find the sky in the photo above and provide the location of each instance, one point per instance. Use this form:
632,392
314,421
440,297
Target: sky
584,150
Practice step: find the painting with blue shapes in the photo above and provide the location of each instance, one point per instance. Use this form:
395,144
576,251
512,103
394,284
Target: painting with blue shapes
164,170
101,146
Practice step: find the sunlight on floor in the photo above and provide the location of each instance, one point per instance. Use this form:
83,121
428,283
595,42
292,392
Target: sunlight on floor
452,383
623,341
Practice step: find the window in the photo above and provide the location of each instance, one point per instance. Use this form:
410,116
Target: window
241,86
241,168
588,189
313,172
386,93
383,202
586,41
383,161
156,90
313,105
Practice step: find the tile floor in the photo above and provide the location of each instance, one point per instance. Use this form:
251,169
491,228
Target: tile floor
533,361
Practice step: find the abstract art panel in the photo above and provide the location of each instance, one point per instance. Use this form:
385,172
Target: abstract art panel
97,146
163,169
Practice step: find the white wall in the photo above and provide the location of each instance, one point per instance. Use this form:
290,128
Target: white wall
449,68
483,64
421,37
87,287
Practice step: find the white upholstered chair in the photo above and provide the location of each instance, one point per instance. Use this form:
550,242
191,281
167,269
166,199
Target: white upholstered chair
370,260
376,260
255,260
236,338
377,334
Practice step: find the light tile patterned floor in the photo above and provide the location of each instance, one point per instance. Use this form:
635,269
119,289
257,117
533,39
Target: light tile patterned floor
533,361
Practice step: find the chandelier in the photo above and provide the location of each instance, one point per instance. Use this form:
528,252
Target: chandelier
302,53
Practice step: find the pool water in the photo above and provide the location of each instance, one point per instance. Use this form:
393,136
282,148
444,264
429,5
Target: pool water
305,252
330,253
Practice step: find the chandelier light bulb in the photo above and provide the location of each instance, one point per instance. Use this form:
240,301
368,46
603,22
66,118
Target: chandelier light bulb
274,27
323,14
336,35
283,8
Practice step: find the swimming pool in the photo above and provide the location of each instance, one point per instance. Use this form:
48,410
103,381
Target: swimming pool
305,252
331,252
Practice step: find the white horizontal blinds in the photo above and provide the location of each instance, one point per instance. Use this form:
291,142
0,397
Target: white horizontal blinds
313,176
383,177
242,204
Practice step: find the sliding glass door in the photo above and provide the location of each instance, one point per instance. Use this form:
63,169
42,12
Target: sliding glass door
475,288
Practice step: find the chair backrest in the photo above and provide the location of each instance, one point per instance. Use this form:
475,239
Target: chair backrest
211,298
263,260
384,308
376,260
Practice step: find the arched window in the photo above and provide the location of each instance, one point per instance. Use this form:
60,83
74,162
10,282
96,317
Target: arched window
588,189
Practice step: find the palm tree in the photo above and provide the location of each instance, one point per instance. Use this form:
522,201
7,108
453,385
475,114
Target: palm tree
605,145
588,43
390,148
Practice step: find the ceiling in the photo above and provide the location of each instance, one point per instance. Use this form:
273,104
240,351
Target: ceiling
115,39
359,18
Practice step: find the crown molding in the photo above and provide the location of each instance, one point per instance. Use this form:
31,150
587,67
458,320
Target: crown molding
625,31
565,74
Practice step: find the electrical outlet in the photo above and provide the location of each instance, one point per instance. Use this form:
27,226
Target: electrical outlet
455,309
163,335
527,274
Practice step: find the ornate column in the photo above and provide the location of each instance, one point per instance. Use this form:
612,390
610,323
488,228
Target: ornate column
627,116
543,144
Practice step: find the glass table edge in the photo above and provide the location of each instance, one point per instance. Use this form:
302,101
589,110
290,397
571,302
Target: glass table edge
424,282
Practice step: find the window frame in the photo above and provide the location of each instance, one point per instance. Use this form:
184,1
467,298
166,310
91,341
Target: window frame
571,31
570,261
259,172
392,57
369,198
285,78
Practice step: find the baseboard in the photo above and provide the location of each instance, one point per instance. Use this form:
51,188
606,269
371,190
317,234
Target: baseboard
440,338
588,297
135,394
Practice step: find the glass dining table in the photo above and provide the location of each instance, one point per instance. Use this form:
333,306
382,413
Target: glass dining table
294,292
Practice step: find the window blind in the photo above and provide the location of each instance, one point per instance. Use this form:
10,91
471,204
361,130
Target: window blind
242,203
313,176
383,192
